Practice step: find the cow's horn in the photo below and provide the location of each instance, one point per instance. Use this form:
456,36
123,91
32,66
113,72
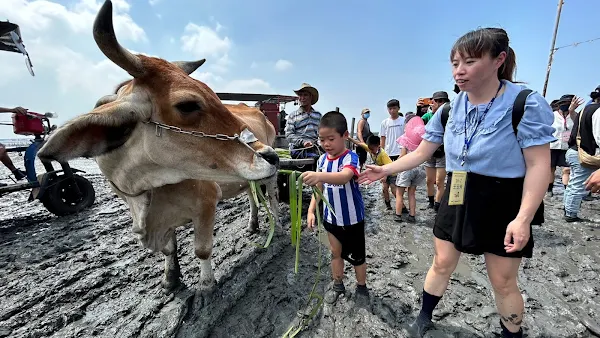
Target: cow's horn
104,34
189,66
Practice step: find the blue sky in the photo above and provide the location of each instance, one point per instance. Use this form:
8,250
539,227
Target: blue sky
358,55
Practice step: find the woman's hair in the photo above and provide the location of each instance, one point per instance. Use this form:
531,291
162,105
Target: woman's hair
492,41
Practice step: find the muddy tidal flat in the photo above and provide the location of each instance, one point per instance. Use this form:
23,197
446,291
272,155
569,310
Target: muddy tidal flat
86,275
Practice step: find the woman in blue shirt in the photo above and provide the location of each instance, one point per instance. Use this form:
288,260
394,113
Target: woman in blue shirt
496,179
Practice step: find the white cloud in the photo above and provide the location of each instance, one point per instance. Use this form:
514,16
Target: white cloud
44,17
248,86
282,65
154,2
71,73
204,42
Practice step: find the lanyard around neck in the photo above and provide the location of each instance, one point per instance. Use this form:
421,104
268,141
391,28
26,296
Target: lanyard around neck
469,139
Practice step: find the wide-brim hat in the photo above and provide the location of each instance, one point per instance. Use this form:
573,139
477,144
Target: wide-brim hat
441,95
314,93
366,110
565,98
413,133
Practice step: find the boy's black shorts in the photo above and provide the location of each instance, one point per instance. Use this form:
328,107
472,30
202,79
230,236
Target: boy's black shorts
352,238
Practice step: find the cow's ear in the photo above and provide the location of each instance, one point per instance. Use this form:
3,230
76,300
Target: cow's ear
104,129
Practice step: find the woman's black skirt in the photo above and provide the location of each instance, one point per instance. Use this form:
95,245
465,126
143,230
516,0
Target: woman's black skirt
479,225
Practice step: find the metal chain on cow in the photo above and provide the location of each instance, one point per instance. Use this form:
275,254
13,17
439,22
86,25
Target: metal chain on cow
244,138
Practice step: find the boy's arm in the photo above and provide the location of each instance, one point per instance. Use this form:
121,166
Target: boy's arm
353,141
358,143
315,200
382,134
339,178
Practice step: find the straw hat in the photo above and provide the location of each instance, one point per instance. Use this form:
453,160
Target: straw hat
312,90
413,133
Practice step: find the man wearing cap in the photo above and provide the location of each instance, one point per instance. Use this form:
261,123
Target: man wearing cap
435,167
438,99
363,131
302,126
564,117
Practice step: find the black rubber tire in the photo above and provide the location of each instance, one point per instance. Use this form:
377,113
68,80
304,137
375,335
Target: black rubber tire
56,198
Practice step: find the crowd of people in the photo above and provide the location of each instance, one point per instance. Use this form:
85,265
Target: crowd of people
487,158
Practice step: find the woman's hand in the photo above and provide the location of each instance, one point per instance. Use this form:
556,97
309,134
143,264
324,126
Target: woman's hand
519,231
371,174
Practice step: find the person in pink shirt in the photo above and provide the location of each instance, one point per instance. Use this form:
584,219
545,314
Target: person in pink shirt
410,179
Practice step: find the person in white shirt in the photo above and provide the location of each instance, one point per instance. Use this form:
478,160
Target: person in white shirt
563,124
391,129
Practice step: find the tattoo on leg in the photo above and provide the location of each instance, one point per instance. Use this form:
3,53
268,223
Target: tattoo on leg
514,319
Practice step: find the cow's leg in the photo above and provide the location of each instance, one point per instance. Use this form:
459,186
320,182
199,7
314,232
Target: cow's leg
172,272
203,241
253,221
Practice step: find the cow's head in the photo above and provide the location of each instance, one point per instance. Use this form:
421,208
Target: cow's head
123,131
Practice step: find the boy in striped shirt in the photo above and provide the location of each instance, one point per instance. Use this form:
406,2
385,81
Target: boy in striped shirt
336,175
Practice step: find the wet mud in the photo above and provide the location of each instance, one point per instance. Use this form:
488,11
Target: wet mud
86,275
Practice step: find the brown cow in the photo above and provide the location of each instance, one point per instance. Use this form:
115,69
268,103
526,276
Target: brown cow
162,141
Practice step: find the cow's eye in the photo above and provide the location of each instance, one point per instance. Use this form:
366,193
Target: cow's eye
188,107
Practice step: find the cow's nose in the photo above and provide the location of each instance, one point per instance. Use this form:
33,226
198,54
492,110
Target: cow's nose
270,156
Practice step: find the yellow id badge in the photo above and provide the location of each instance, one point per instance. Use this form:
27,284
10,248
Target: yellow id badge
457,188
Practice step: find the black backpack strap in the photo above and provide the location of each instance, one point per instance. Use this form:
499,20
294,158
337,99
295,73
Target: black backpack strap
445,114
519,108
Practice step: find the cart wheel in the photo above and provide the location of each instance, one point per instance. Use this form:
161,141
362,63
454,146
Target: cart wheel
60,199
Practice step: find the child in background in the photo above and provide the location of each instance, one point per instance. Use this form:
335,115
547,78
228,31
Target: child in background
379,156
337,171
373,147
410,179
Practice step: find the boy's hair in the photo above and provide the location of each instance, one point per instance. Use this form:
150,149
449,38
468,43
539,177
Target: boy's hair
373,140
393,103
334,120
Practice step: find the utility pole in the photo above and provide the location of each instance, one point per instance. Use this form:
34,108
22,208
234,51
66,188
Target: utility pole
552,49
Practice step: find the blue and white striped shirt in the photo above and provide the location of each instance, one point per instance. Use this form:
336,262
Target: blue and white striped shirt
346,200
